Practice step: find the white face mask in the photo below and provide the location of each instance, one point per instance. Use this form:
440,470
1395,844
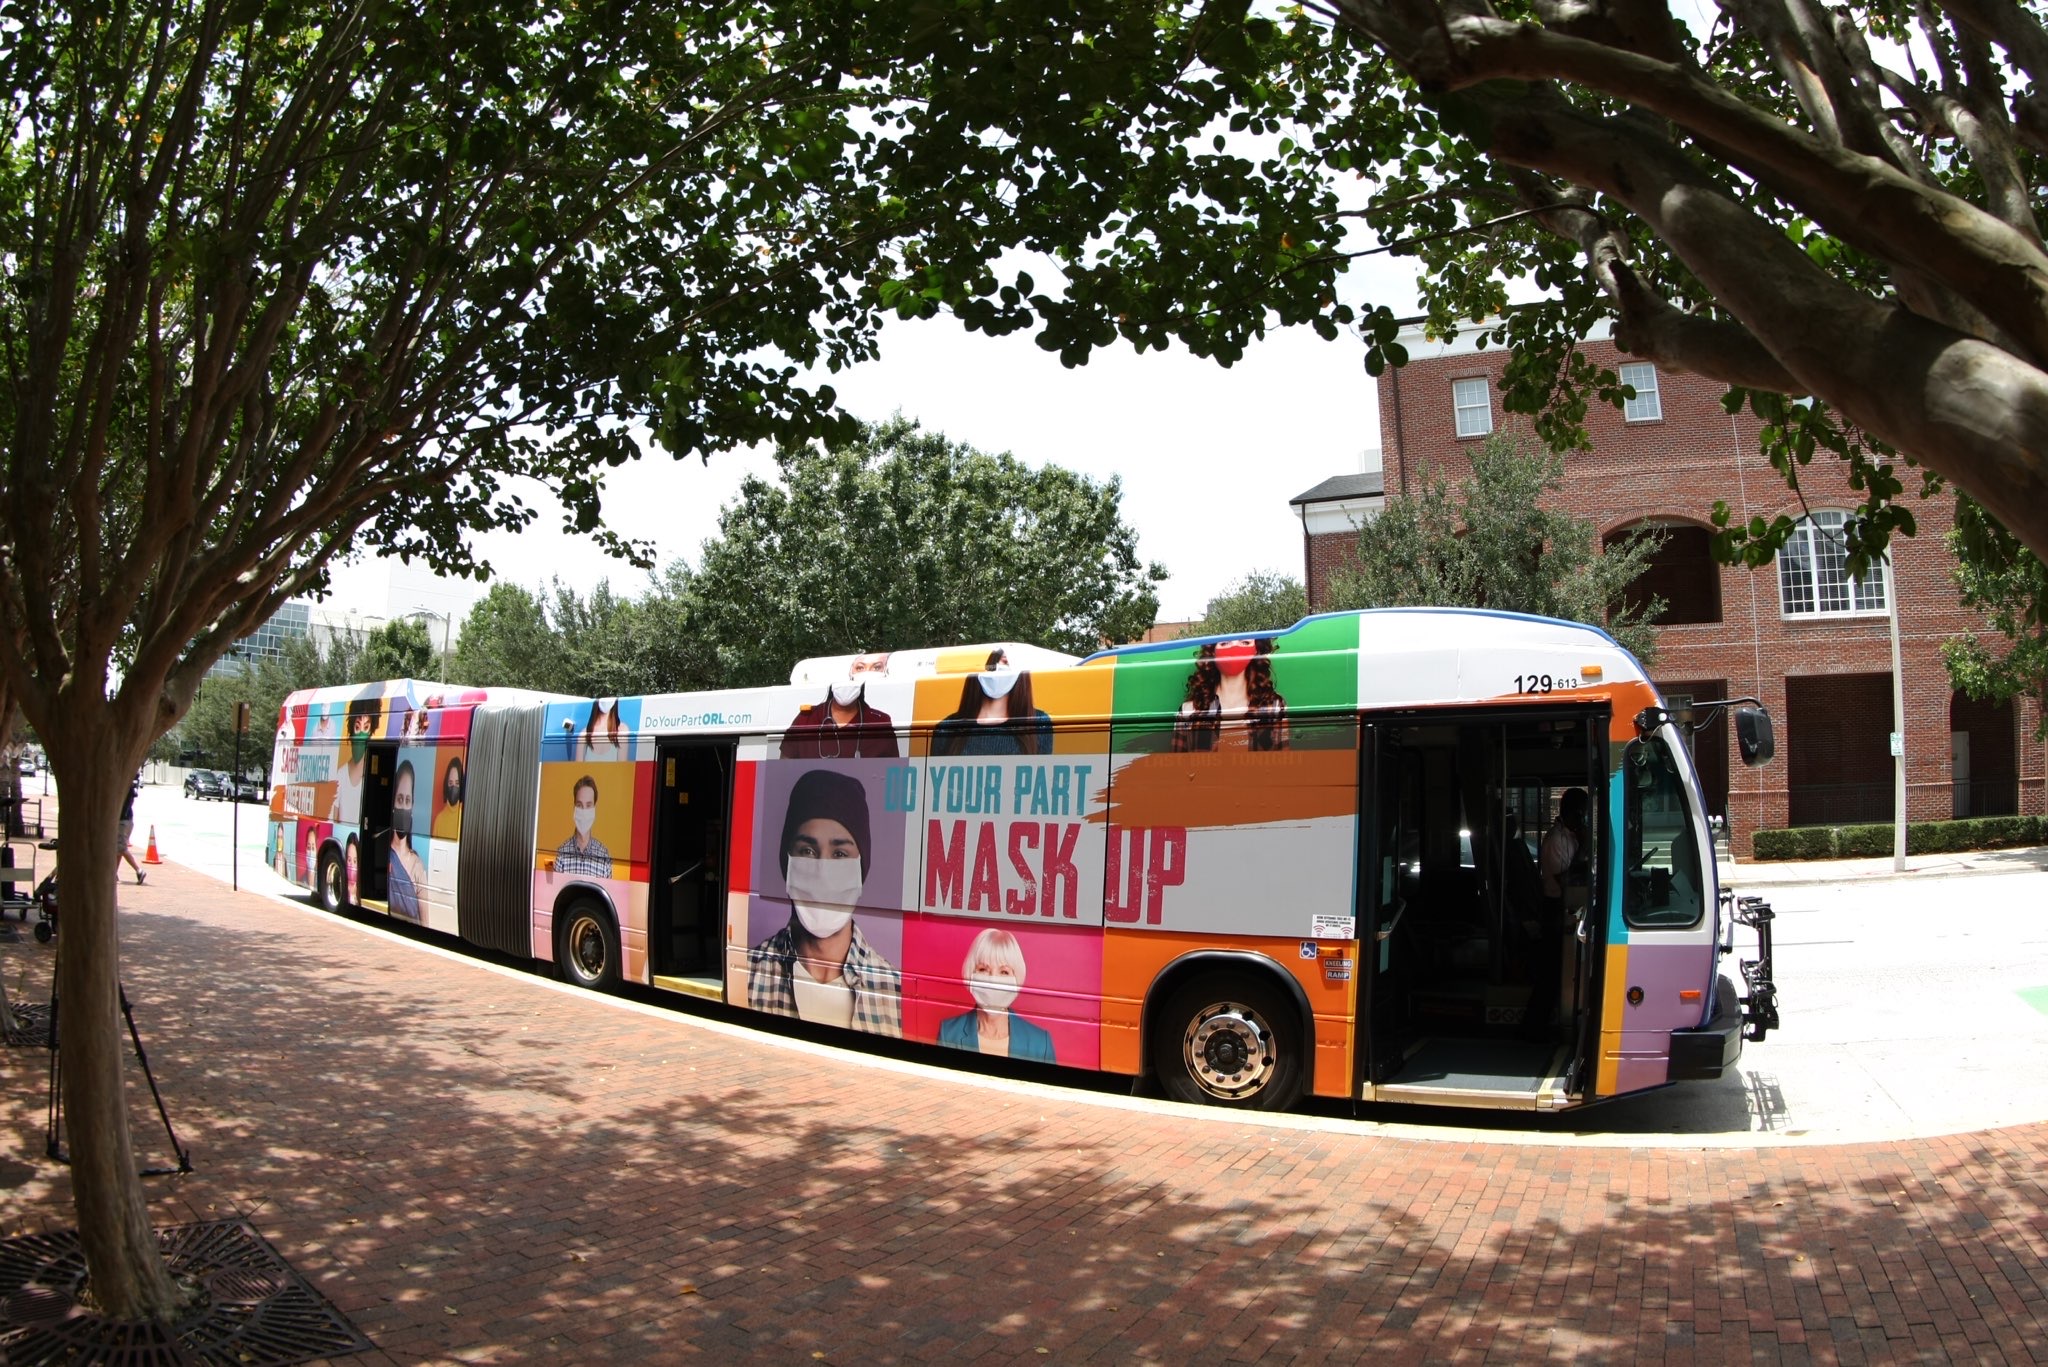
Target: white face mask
998,685
585,817
847,694
823,892
992,994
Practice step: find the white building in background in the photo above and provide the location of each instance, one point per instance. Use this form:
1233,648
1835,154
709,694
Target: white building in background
368,596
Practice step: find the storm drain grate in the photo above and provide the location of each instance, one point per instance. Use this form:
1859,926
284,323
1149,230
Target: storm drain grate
258,1312
31,1026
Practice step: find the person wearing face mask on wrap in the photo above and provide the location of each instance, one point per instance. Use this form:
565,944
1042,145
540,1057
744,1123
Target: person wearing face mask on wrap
820,967
995,716
355,753
583,853
405,873
845,725
1232,682
994,970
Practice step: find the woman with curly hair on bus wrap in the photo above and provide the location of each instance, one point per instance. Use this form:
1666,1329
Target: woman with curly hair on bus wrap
1233,684
995,716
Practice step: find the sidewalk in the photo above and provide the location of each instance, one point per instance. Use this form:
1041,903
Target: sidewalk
481,1166
1743,875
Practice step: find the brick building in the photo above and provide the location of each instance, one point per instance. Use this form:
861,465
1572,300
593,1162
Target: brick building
1812,644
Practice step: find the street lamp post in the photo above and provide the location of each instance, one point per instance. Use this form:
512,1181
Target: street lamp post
447,624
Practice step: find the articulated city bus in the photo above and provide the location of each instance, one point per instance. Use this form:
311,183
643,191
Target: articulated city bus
1422,855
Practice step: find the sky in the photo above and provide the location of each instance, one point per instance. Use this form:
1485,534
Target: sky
1208,456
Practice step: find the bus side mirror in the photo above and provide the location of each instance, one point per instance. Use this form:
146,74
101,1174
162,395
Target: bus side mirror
1753,735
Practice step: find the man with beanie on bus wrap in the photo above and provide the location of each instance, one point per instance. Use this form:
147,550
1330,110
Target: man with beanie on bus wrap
819,967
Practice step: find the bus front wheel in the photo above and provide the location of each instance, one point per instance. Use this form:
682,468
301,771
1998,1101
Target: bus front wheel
587,947
1229,1040
332,895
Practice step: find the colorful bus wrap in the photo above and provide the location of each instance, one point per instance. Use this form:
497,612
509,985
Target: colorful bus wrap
1421,855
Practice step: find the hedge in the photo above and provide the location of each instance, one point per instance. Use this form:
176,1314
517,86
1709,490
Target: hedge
1922,837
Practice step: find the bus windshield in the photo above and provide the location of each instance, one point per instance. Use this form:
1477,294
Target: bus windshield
1666,884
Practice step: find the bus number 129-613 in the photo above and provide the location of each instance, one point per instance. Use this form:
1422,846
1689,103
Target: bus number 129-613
1543,683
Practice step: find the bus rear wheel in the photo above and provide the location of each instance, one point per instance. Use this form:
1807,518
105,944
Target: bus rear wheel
587,947
331,893
1229,1040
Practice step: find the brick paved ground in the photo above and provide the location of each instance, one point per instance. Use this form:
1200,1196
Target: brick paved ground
477,1167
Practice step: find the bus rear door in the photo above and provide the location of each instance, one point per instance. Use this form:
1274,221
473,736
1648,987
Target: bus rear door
686,912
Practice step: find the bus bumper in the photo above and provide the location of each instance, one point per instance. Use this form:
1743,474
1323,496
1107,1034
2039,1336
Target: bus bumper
1706,1053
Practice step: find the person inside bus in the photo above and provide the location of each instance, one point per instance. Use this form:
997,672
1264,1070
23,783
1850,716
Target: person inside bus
583,853
820,967
1232,683
604,735
1561,868
405,873
994,972
843,724
355,754
995,716
1562,865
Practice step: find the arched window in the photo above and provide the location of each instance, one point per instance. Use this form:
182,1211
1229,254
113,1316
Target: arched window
1813,574
1681,571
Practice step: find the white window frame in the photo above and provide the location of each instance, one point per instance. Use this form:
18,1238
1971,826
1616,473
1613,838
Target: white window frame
1812,582
1647,405
1473,414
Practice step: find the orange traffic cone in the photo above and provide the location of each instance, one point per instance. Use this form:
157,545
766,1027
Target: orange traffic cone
150,856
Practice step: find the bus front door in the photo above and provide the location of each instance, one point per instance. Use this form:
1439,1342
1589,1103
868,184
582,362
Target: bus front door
686,915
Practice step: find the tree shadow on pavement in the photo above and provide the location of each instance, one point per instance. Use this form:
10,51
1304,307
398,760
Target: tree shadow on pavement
478,1167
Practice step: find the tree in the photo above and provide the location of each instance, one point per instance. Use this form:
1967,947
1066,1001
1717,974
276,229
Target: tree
400,649
2009,584
506,642
1830,201
667,652
301,662
1263,600
290,281
903,538
1491,543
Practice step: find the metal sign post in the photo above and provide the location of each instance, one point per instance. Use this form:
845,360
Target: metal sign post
235,821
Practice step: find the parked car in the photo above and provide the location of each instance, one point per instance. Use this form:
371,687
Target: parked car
206,783
249,789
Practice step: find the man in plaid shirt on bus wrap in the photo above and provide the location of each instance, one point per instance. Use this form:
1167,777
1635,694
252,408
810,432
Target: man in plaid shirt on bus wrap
819,967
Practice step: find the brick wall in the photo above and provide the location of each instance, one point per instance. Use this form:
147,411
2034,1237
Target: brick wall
1671,471
1326,552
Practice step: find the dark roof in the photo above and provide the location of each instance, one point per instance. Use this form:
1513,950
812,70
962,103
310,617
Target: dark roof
1372,484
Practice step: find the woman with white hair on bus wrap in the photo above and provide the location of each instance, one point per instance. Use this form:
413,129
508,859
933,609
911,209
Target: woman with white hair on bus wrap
994,973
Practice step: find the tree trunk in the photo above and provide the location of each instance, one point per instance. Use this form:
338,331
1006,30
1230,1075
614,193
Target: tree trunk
126,1275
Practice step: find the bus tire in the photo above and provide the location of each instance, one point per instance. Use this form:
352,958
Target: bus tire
332,894
587,946
1229,1039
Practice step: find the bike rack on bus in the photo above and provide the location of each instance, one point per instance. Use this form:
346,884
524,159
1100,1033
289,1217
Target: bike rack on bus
1760,1007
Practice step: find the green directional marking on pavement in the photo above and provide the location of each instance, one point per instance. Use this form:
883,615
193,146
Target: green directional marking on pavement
2036,997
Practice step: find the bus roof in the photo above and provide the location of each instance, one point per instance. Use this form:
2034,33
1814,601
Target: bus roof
929,661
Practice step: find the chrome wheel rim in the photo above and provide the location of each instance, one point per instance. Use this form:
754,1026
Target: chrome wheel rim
586,948
1230,1051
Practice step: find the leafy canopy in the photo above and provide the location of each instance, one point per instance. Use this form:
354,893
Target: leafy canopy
1264,600
2009,585
905,538
1490,543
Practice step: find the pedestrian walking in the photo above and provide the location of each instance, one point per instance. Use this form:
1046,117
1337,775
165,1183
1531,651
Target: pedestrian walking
126,829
